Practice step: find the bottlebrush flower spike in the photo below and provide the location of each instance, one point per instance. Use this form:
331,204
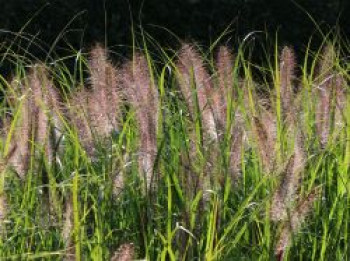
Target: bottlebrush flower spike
236,151
23,134
326,62
67,229
265,138
220,94
340,100
3,210
48,106
39,123
125,252
195,85
105,98
285,194
78,114
280,206
323,112
218,106
296,219
224,66
142,94
96,112
287,75
325,91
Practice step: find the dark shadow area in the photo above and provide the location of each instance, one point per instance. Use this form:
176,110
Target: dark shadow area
79,23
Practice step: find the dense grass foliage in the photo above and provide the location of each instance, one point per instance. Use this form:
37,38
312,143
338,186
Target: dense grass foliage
186,156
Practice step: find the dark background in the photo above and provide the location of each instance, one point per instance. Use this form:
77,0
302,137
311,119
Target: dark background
79,23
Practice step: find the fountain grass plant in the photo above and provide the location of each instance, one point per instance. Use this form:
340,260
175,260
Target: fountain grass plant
183,157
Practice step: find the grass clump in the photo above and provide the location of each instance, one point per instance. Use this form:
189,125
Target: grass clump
180,158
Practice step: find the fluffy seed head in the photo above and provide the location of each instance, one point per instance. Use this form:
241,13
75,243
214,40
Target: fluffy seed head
287,75
68,223
23,134
280,201
3,209
142,94
96,112
39,104
193,77
105,101
285,194
48,105
293,225
236,151
224,65
326,62
195,85
125,252
265,143
78,115
216,122
323,110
